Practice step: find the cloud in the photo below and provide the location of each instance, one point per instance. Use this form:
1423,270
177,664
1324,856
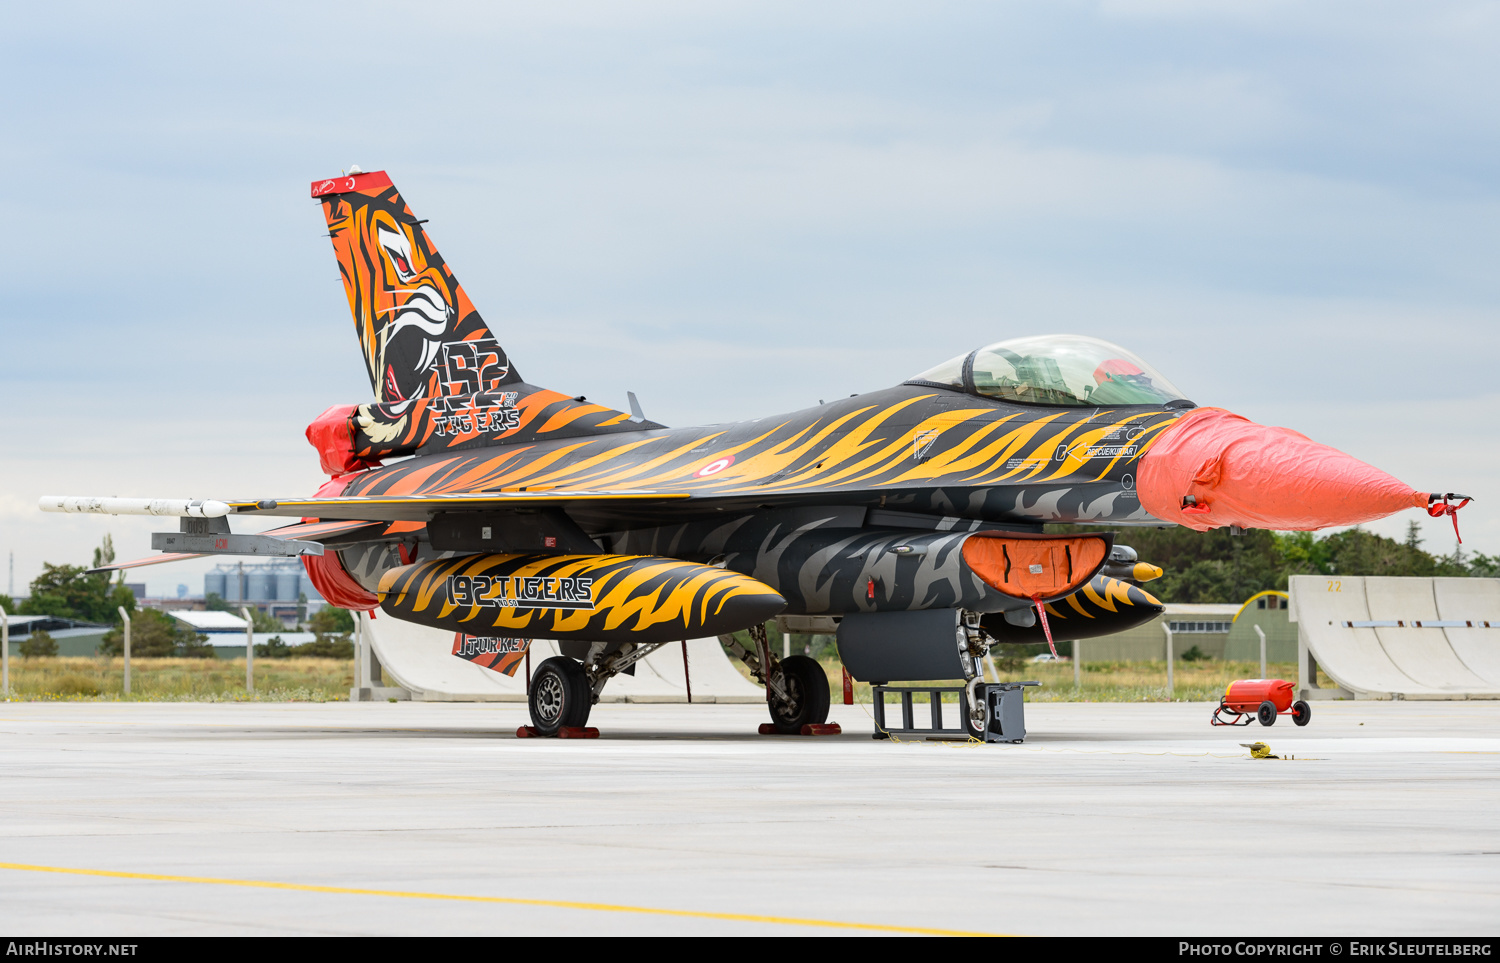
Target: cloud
737,209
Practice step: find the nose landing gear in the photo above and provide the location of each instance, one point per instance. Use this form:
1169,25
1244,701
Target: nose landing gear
796,687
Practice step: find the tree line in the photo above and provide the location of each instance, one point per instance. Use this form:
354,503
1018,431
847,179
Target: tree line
74,592
1216,566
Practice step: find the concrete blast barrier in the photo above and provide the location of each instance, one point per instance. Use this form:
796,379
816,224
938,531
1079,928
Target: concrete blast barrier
419,659
1479,649
1376,639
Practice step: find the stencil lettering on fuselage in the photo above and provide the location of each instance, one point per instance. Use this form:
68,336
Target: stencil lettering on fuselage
498,654
473,645
526,592
1084,453
467,372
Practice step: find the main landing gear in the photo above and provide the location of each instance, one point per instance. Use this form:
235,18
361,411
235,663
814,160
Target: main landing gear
563,690
560,696
796,687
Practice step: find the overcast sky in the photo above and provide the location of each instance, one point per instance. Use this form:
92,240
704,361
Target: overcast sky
736,209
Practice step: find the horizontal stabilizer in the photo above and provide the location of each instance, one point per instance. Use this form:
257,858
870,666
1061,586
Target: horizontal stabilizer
160,559
227,543
302,531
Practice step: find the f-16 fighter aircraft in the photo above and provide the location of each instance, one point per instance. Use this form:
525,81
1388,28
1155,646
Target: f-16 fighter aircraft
910,517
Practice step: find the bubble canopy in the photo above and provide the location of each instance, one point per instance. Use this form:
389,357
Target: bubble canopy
1057,369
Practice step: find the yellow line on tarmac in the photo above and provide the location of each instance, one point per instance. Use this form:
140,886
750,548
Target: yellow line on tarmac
510,901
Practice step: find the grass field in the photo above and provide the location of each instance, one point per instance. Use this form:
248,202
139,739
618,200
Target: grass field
180,680
329,680
1108,681
1143,681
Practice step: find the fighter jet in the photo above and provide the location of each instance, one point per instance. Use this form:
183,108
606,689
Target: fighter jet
910,520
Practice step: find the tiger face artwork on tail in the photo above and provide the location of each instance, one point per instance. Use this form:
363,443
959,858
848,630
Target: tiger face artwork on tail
422,338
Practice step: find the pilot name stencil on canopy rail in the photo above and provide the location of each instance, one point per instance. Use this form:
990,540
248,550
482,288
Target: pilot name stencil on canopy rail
908,521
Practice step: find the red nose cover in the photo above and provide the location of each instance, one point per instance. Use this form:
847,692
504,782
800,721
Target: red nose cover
328,574
1241,473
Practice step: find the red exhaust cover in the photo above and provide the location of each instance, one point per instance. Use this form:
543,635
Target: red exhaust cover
332,433
327,573
1214,468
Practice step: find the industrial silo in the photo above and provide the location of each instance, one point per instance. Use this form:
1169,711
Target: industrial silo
260,585
213,584
232,585
288,584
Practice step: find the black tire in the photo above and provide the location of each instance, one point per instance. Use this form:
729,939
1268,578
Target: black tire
807,684
560,696
1301,713
1266,713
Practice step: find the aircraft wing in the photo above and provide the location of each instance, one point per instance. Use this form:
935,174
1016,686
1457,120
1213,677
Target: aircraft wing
302,532
420,508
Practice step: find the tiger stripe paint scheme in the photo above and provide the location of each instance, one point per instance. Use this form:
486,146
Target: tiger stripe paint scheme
450,395
486,443
912,447
1102,607
442,379
594,598
834,562
931,494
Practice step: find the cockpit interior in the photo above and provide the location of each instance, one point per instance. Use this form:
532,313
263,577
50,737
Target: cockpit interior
1056,369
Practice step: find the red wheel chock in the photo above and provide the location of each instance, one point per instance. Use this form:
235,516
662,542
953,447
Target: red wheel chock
566,732
811,729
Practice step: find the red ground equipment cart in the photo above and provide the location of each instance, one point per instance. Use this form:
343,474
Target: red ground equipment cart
1245,700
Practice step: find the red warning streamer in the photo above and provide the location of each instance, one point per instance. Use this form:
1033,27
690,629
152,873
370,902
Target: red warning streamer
1439,507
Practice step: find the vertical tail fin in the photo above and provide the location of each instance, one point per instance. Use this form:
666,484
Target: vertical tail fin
442,379
421,336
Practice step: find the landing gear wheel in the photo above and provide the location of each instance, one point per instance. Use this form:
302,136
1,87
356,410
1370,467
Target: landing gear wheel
1266,713
560,696
976,729
1301,713
807,685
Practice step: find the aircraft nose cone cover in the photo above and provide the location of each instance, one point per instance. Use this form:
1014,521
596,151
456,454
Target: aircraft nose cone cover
1240,473
595,598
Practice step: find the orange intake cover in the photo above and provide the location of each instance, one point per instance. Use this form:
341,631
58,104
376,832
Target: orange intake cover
1035,567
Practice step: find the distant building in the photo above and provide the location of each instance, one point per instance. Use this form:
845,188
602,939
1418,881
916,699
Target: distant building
210,623
1219,631
228,646
226,632
73,637
275,588
1269,611
138,589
